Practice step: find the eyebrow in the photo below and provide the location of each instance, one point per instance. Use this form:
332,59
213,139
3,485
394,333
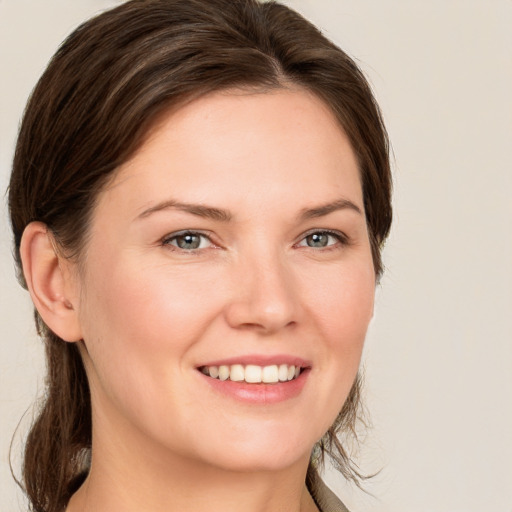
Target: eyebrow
325,209
218,214
200,210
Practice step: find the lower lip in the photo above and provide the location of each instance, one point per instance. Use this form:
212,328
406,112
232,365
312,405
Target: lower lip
259,393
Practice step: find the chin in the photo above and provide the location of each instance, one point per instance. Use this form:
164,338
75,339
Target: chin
261,453
269,461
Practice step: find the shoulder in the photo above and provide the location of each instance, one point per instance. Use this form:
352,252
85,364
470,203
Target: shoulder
325,499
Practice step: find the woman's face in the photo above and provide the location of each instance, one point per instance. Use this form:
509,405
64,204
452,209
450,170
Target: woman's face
234,242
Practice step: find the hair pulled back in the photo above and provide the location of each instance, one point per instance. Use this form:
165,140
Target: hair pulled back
100,94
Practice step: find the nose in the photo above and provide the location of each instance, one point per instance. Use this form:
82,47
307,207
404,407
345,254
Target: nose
264,296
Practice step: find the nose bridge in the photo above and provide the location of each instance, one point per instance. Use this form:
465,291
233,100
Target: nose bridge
265,295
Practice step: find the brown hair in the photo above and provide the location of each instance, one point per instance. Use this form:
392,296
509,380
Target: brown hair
99,96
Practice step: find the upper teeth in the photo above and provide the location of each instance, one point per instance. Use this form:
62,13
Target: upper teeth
252,373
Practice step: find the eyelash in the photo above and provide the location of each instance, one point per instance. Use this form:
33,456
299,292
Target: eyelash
341,238
166,241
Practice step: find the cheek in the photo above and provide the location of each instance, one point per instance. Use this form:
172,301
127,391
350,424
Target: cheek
343,304
139,323
145,300
141,319
343,308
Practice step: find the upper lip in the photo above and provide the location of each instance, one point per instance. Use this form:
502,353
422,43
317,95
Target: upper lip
260,360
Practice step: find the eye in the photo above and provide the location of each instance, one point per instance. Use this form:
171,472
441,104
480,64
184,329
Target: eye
188,240
322,239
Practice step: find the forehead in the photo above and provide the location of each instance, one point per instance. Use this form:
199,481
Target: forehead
230,145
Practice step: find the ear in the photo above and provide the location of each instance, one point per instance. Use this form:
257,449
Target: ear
51,283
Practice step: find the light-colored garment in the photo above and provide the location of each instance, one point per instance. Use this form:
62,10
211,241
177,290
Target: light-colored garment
324,498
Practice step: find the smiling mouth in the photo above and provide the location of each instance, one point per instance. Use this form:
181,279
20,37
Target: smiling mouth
253,374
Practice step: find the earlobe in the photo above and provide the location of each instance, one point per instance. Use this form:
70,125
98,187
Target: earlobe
50,282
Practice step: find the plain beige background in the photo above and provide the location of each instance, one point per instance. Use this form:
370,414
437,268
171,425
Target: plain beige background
439,353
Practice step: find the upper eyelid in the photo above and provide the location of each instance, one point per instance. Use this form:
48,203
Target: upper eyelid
183,232
323,230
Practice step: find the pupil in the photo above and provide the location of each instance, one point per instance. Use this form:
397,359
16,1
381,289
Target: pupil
318,240
188,242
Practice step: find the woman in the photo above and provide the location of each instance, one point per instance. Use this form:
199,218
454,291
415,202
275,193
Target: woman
199,197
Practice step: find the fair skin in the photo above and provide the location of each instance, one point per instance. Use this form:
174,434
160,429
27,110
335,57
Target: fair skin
271,265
